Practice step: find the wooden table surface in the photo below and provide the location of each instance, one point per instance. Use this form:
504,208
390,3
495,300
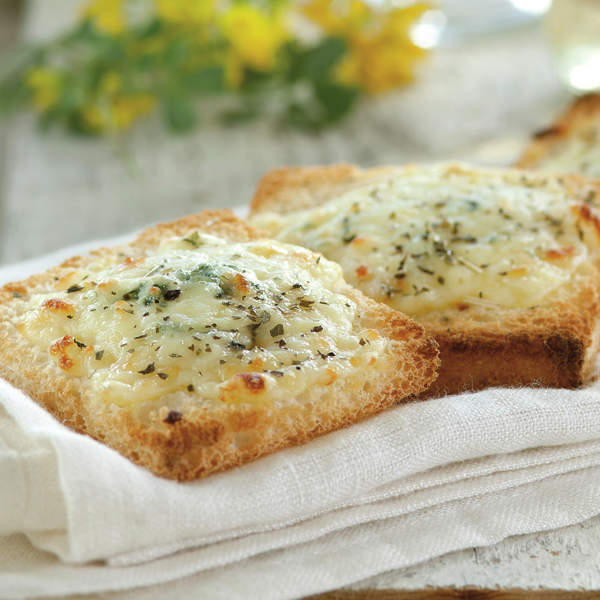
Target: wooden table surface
469,102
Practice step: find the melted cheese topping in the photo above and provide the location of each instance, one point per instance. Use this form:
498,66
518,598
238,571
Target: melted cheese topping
431,238
579,153
247,322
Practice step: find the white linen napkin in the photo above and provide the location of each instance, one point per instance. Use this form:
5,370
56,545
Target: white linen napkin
412,483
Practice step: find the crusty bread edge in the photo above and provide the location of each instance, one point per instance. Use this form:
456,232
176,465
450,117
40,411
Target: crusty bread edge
558,353
202,443
288,189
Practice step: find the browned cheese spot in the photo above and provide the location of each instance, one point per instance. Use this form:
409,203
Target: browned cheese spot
253,382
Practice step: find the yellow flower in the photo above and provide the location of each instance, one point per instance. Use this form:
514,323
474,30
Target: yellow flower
97,116
193,12
339,18
254,35
233,71
93,118
378,67
383,56
126,109
118,113
44,83
107,15
397,23
111,83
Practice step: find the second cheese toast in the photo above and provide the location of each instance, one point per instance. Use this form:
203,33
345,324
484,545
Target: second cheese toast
201,346
500,266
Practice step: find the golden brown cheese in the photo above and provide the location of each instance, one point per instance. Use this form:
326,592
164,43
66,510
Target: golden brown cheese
227,322
430,238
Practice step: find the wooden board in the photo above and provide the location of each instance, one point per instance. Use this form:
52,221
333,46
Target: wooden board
469,593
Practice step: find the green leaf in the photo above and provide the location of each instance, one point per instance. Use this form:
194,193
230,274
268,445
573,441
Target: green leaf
253,81
177,51
75,123
293,57
150,29
320,60
13,95
239,115
297,115
326,103
82,31
206,80
179,113
337,100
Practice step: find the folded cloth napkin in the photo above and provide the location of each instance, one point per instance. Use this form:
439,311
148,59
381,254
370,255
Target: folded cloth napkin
412,483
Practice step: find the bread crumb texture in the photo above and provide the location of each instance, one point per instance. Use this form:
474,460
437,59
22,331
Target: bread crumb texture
201,346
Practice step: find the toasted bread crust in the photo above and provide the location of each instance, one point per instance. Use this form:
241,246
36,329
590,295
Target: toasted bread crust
289,189
207,440
549,346
582,114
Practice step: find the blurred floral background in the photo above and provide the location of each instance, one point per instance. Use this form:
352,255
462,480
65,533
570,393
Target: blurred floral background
120,113
307,63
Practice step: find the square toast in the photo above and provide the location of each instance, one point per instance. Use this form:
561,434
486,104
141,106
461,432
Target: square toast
499,266
201,346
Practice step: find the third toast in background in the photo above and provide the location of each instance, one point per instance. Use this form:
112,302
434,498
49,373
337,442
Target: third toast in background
571,144
501,266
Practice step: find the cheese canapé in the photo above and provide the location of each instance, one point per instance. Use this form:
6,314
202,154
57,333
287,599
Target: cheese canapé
427,239
225,322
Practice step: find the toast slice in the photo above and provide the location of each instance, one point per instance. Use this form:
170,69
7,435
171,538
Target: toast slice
571,144
500,266
201,346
